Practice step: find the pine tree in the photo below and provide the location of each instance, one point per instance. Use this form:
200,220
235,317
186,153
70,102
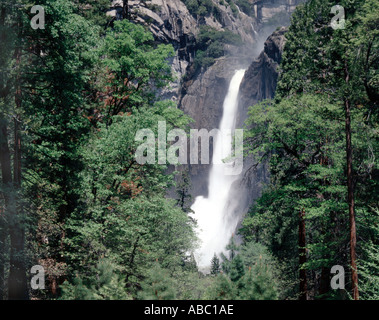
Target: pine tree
237,268
257,284
215,265
232,247
221,289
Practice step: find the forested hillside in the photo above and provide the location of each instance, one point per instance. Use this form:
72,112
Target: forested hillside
74,200
320,137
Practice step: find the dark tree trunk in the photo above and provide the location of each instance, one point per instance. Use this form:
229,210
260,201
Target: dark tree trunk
324,281
17,152
17,272
6,174
5,165
350,195
302,257
2,254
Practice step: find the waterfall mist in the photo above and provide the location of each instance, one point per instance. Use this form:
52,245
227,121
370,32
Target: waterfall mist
215,214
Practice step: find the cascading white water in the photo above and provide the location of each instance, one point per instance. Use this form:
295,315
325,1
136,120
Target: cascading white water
213,213
252,27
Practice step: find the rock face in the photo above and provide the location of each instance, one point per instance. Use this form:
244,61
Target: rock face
260,78
171,22
201,94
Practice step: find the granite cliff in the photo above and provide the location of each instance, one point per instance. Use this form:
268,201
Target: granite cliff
200,92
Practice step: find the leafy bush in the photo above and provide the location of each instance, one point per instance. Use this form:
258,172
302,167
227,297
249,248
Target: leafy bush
105,284
211,45
192,6
199,7
158,285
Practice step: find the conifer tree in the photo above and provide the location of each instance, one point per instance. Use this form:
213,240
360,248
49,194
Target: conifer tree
257,284
232,247
215,265
222,289
237,268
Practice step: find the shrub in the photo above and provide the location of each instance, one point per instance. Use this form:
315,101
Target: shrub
211,45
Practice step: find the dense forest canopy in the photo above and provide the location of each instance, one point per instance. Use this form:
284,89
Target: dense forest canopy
74,200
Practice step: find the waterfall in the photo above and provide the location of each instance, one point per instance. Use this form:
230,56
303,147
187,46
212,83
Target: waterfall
214,213
252,27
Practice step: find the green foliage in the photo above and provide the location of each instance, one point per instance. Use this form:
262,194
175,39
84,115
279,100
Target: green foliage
209,35
105,284
128,217
215,265
158,285
237,269
233,7
84,98
199,7
301,135
93,10
221,289
369,273
102,221
232,247
56,65
211,45
136,69
192,6
368,264
190,284
244,6
257,284
257,278
257,256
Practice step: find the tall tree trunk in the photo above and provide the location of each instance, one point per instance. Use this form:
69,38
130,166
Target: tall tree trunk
17,272
6,174
350,194
3,233
302,257
5,165
17,151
